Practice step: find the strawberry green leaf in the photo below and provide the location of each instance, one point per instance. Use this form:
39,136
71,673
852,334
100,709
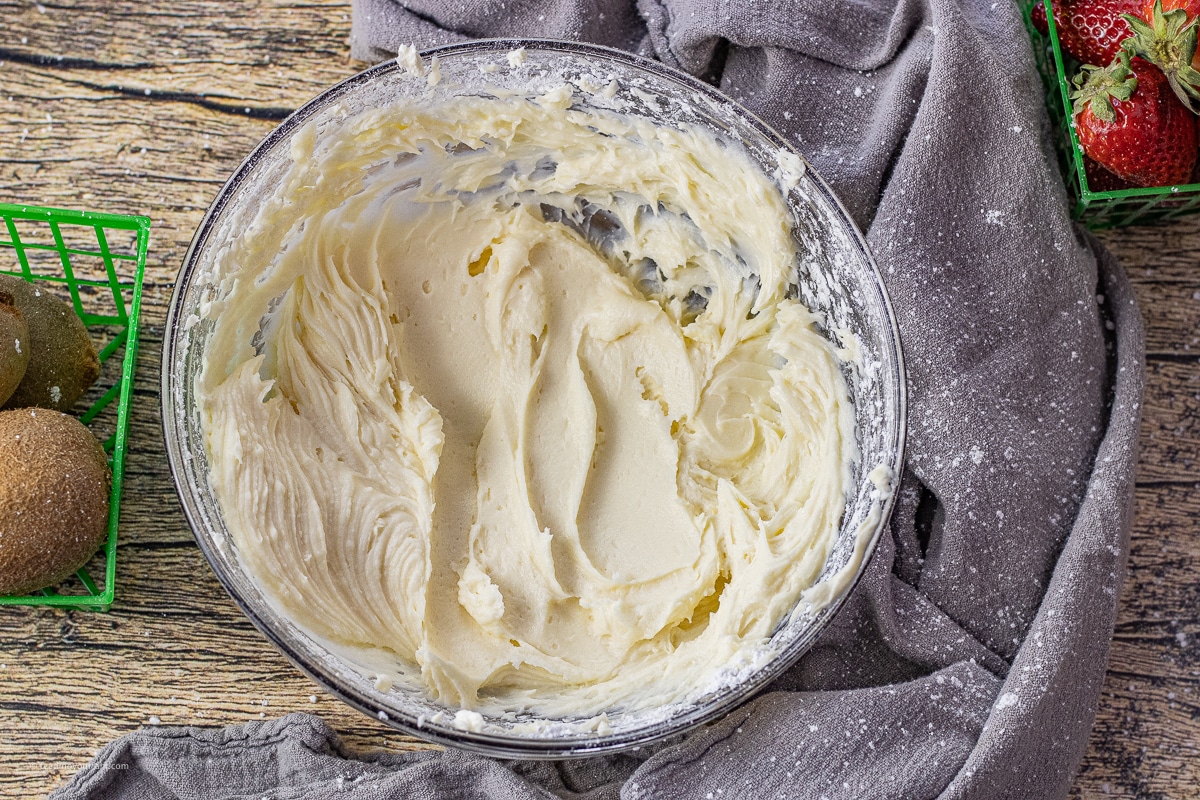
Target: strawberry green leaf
1097,87
1169,42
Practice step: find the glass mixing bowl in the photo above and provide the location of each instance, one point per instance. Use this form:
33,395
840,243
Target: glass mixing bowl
835,276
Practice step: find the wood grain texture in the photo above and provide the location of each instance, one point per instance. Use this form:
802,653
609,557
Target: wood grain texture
146,107
136,107
1146,740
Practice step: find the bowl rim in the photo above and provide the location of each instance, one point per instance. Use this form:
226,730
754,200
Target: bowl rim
486,743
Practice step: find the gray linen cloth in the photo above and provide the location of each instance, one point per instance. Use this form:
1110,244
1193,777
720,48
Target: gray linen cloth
968,662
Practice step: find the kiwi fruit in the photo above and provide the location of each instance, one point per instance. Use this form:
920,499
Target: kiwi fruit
54,490
62,359
14,346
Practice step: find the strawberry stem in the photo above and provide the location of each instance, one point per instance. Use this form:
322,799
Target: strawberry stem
1098,86
1169,42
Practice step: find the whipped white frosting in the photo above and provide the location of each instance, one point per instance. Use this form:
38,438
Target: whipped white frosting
516,398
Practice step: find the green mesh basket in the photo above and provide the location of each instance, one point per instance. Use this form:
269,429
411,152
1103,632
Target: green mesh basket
96,262
1095,209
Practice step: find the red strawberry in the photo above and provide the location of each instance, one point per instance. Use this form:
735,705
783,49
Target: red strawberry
1090,30
1166,37
1130,122
1101,180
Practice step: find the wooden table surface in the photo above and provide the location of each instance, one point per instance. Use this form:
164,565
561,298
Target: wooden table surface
146,107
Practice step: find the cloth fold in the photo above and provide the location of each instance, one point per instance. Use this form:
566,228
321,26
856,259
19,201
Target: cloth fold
968,662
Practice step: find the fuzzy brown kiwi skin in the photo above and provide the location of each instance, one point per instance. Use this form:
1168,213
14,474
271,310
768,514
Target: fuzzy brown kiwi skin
14,346
54,498
62,359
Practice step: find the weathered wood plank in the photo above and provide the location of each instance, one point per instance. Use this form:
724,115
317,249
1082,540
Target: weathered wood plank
1147,733
174,648
1144,743
1170,435
1163,262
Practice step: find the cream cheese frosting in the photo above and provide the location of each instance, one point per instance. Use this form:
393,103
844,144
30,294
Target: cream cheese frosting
516,400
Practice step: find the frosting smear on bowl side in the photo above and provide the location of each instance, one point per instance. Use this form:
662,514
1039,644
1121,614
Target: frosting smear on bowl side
516,397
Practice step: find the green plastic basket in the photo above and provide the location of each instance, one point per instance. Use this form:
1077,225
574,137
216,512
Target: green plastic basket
1095,209
96,261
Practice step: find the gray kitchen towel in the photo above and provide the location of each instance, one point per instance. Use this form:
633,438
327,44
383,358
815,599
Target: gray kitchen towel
968,662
